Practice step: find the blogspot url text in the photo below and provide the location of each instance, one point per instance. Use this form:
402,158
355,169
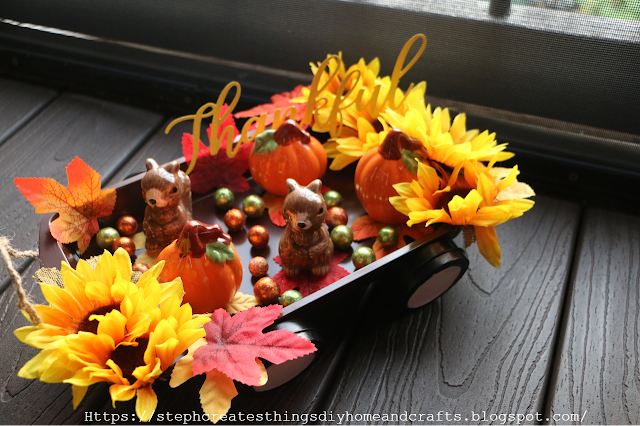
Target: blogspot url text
340,418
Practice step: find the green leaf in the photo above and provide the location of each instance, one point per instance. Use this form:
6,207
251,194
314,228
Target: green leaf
409,158
265,143
220,252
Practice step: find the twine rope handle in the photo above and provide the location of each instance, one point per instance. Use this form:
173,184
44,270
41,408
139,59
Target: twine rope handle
24,302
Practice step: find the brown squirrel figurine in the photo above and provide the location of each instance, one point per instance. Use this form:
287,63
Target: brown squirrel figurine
306,244
167,192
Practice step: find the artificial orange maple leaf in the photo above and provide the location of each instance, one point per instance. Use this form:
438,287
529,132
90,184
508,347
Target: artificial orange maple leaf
364,227
79,205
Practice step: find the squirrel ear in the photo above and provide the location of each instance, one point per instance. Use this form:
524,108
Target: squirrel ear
172,167
292,185
151,164
315,186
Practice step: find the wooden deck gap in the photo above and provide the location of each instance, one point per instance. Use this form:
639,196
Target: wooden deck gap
27,118
556,349
109,175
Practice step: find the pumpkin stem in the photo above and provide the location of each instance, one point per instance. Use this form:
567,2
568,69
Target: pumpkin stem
196,235
393,144
289,132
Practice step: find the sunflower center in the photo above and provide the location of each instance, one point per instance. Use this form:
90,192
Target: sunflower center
129,358
92,326
377,126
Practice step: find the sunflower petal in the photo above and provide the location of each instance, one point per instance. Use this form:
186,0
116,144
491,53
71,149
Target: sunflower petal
61,300
146,403
490,216
78,394
487,239
99,292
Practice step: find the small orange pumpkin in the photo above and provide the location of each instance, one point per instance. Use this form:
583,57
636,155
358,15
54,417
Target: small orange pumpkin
377,171
288,152
210,268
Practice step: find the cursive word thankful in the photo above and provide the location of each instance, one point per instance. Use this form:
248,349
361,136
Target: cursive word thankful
315,103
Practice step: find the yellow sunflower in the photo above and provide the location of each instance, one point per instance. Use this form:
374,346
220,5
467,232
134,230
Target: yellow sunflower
359,122
359,75
103,328
444,141
442,198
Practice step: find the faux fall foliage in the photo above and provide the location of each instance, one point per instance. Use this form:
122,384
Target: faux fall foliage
231,351
306,282
79,205
218,171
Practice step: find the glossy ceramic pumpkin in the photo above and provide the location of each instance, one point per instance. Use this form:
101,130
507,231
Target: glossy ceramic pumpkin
204,257
288,152
376,172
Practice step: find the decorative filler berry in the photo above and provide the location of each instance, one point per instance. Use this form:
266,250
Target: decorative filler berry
336,216
267,291
106,237
140,267
127,226
332,198
258,267
342,237
258,236
127,244
289,297
234,219
224,198
388,237
362,257
253,206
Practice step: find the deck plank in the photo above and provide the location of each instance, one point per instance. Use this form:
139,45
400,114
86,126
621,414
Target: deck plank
104,135
19,103
161,147
485,345
597,372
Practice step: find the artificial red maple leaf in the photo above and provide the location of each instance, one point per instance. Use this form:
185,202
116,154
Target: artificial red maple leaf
364,227
274,204
234,343
280,101
79,205
218,171
306,282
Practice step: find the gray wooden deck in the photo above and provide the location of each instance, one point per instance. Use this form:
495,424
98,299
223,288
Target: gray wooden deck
555,331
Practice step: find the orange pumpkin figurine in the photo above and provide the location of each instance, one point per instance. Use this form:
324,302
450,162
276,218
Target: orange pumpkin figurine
288,152
204,257
377,171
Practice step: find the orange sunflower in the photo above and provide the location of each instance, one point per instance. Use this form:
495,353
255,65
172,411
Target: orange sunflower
103,328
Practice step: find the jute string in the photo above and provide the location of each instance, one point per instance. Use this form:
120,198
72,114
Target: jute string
24,302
